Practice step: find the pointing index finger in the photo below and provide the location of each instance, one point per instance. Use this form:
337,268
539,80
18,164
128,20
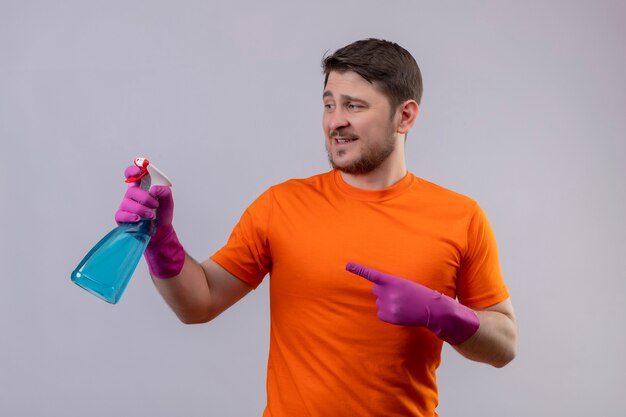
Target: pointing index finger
365,272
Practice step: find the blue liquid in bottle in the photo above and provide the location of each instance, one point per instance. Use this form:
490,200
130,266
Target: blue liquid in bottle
107,268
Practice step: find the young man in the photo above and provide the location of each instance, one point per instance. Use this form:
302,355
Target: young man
365,261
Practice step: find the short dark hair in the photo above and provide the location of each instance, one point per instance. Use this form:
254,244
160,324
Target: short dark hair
385,64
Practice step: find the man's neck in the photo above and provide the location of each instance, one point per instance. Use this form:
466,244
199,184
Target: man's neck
381,178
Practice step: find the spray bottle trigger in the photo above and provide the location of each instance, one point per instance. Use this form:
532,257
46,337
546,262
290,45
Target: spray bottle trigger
158,177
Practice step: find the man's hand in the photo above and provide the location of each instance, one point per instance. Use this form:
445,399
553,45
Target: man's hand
165,255
408,303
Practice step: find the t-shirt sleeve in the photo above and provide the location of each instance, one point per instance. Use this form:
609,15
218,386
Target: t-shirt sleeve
480,283
246,254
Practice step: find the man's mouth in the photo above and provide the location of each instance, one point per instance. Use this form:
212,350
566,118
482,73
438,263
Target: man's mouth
344,140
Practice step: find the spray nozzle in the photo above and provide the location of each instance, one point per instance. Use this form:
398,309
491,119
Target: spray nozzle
149,174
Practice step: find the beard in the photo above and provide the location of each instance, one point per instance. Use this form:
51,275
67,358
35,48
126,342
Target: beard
372,154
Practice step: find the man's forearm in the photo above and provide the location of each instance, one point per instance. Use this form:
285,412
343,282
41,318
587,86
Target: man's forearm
201,292
187,293
495,342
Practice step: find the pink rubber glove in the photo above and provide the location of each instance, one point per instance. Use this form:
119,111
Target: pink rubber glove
165,255
408,303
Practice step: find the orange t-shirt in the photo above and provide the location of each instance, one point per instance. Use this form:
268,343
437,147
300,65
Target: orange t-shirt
329,353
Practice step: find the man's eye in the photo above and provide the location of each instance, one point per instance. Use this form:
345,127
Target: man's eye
353,106
329,106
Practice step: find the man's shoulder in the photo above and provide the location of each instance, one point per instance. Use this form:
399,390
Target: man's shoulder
437,192
310,183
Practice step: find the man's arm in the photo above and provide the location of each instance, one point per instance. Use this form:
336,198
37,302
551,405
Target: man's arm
200,292
495,342
487,335
196,292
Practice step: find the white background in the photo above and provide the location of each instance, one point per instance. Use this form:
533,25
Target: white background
523,110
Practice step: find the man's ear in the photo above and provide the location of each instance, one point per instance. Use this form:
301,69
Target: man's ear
408,113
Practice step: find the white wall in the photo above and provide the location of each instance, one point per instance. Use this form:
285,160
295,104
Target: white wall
523,110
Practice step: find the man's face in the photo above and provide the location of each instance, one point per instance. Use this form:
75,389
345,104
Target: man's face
359,128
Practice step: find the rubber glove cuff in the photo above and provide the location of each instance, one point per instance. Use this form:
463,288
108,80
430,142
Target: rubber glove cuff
165,255
454,322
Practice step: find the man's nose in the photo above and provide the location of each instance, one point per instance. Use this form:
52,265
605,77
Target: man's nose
337,119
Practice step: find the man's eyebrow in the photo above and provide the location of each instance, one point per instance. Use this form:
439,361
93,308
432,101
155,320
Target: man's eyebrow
343,97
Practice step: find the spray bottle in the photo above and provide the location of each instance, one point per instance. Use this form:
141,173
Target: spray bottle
106,270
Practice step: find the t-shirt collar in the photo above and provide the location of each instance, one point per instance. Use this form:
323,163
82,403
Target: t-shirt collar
373,195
